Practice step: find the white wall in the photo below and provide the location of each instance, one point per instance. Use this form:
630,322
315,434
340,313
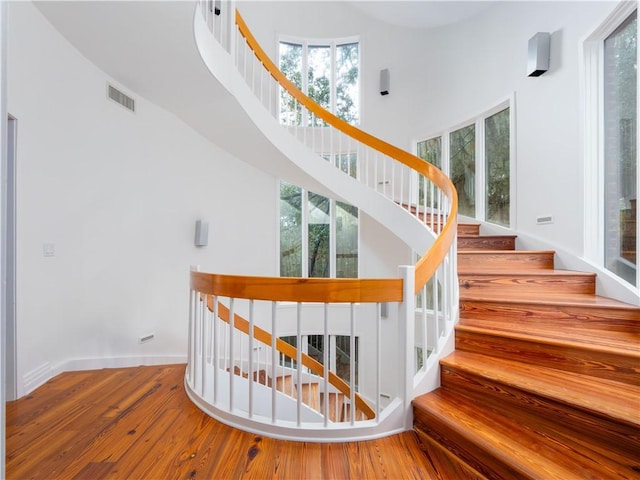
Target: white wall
480,62
118,194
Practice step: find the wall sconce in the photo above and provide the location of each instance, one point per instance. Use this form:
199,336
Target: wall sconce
538,55
384,81
202,234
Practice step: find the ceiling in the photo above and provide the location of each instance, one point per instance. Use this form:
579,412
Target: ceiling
421,13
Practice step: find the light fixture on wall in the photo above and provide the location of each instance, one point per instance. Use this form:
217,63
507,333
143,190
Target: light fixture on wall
384,81
202,234
538,54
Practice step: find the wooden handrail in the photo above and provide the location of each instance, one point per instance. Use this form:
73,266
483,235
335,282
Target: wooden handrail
429,262
311,363
294,289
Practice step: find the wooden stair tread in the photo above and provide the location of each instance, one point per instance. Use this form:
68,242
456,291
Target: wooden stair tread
482,270
507,252
504,445
574,299
602,397
598,338
487,236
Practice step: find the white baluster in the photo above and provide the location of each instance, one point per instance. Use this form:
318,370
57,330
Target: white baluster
352,364
378,359
274,362
216,349
251,374
299,363
325,364
232,329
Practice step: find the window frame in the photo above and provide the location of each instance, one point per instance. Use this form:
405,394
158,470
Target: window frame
332,43
480,157
592,93
305,233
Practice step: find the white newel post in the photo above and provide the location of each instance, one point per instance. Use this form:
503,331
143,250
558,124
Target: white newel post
406,317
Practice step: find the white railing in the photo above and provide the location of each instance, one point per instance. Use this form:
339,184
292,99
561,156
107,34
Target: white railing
419,323
242,371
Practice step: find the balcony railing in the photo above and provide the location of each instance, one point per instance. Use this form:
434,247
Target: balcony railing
390,332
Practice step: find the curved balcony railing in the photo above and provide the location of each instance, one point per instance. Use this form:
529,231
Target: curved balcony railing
258,346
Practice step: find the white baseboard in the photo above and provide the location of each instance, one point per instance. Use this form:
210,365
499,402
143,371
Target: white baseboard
45,372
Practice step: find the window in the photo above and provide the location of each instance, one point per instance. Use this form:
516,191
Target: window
463,168
497,177
328,72
319,235
611,155
481,175
346,241
321,230
620,149
290,230
430,151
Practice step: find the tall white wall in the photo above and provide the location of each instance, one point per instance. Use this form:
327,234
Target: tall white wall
480,62
118,195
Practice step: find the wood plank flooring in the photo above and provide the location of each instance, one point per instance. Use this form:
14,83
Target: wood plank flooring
137,423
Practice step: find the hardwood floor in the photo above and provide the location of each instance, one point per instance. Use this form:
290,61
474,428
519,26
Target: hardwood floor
137,423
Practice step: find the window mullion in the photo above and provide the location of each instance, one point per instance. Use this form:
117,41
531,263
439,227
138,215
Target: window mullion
304,67
333,80
305,234
332,238
481,165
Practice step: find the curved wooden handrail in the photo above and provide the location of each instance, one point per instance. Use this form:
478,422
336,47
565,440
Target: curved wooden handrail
429,262
311,363
294,289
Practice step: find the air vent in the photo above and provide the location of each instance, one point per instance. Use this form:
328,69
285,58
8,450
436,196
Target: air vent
119,97
543,220
146,338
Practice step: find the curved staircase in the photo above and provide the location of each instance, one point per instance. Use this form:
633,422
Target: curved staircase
544,382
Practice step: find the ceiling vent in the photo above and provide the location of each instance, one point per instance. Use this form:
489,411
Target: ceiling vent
119,97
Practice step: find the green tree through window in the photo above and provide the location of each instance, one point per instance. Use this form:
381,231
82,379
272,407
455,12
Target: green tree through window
312,69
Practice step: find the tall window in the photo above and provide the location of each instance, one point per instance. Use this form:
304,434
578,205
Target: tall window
328,72
455,152
290,230
620,149
318,236
463,168
497,176
430,151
